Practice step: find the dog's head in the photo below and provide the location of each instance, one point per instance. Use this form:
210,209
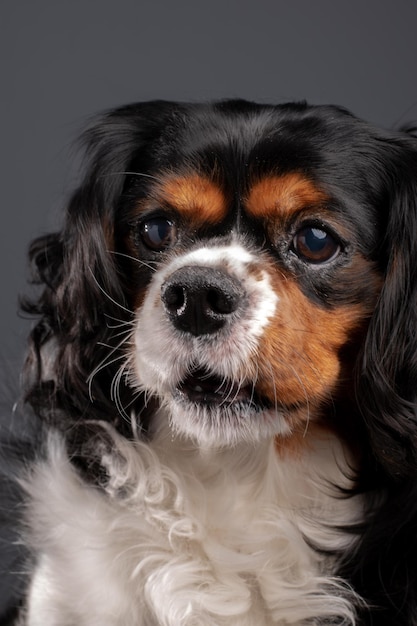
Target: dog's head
243,271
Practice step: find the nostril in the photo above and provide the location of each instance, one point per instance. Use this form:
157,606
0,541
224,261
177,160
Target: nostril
222,302
174,298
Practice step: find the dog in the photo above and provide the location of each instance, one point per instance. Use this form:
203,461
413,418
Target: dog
224,364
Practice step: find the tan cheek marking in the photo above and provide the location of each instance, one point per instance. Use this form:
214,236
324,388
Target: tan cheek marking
195,197
282,196
299,351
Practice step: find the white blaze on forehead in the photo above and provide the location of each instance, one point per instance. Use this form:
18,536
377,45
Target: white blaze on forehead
217,254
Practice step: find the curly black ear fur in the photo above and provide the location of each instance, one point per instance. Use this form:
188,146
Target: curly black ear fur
387,382
83,292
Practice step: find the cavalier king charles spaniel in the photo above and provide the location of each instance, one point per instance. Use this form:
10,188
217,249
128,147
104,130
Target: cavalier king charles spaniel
224,367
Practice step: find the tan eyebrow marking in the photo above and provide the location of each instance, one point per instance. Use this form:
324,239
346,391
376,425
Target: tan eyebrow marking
195,197
281,196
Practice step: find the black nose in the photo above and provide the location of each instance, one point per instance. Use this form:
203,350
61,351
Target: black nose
200,300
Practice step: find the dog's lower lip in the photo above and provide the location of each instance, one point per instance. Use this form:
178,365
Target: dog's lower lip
203,388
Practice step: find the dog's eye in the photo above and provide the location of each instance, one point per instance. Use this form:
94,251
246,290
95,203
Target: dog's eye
158,233
315,245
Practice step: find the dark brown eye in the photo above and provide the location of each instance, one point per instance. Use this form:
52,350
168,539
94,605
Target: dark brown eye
315,245
158,233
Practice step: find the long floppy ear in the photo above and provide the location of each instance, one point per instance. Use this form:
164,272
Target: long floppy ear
83,292
387,376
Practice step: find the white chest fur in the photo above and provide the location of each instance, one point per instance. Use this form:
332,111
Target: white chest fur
184,537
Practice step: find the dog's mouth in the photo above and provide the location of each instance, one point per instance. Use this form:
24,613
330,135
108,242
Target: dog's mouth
203,388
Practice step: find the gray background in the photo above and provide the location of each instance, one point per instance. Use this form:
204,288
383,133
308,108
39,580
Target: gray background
62,61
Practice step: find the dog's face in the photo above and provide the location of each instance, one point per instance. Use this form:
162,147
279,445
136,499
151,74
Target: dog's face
255,273
261,259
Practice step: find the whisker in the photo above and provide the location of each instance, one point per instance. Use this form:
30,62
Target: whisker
105,363
107,295
134,259
297,376
115,391
121,333
119,323
126,331
139,174
133,416
224,384
238,388
123,371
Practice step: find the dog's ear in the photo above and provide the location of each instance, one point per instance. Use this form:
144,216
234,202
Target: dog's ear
112,145
387,374
83,293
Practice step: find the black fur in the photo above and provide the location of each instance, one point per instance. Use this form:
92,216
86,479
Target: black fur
89,282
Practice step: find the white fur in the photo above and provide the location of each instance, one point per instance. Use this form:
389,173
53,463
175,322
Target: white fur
185,536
